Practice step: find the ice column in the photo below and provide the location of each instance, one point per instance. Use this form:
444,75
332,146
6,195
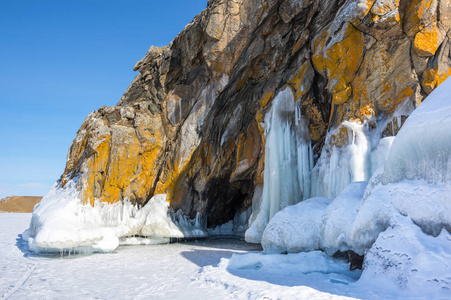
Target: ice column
288,162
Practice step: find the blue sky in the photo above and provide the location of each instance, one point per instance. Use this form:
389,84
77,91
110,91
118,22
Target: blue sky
60,60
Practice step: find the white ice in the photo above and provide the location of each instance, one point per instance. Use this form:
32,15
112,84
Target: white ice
288,162
315,224
289,175
60,221
400,220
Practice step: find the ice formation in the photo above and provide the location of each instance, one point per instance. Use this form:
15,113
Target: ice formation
360,159
60,221
290,176
236,227
400,220
288,161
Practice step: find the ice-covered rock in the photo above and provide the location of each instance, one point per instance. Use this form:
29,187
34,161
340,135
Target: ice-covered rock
61,222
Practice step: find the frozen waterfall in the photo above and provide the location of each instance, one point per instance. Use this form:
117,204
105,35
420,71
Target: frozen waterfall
290,175
288,162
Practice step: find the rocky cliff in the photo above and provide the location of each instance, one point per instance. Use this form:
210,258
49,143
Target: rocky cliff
192,123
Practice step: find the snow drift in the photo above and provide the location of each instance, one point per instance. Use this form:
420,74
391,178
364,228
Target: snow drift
401,220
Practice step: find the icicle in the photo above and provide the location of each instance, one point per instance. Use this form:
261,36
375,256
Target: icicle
393,127
288,162
180,110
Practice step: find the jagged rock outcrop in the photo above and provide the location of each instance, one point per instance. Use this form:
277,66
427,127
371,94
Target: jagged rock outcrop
191,123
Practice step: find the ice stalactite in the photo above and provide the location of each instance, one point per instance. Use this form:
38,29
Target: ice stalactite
290,175
366,152
339,166
288,161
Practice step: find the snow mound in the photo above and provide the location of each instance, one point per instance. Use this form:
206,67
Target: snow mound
60,221
315,224
428,206
295,228
405,257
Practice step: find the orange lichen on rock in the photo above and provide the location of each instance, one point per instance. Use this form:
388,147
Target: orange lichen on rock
266,98
302,80
248,150
367,112
386,77
311,111
96,166
428,40
119,159
432,78
420,13
169,179
340,60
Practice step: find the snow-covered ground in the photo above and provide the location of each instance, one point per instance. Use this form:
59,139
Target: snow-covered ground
194,270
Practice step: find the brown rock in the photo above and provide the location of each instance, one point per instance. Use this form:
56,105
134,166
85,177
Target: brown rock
191,123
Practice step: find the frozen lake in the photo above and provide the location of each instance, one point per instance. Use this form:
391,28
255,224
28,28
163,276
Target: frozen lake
191,270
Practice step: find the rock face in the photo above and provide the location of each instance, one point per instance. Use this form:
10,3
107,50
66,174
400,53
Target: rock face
191,124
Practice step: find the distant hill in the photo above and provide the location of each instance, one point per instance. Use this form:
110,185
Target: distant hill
18,204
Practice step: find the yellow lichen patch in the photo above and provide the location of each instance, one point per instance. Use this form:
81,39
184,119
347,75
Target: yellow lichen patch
385,74
301,80
121,161
340,61
312,112
96,165
367,111
315,132
259,119
122,165
259,178
428,40
387,19
389,105
168,180
420,13
247,151
342,96
198,166
360,11
432,78
266,98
